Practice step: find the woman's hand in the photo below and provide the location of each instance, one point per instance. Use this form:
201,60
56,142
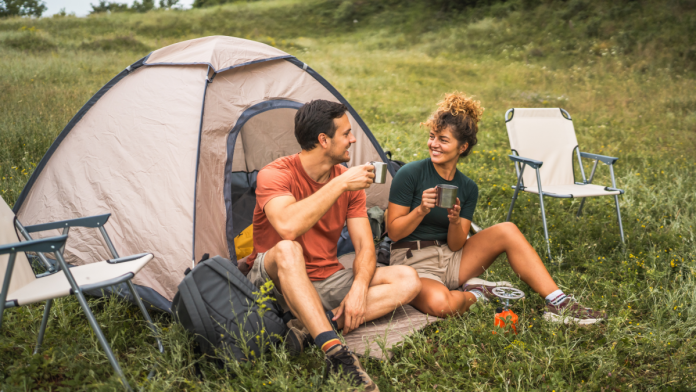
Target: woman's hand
453,213
427,201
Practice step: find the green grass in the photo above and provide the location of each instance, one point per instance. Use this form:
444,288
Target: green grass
624,71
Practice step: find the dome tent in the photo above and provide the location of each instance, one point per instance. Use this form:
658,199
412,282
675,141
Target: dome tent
171,146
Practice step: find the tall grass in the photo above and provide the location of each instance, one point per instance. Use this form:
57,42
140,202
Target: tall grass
623,70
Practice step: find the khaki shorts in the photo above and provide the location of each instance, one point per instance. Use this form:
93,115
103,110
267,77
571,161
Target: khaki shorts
331,290
438,263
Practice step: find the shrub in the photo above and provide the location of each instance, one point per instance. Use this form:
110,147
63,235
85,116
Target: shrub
117,44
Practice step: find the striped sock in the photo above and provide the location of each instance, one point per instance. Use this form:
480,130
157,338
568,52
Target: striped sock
556,298
326,340
479,295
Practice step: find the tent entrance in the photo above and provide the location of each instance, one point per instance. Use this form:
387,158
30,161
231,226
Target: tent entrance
263,133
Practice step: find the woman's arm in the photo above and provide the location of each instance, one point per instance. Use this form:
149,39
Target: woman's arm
401,222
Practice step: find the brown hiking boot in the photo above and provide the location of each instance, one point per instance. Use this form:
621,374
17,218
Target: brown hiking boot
342,361
484,286
571,312
297,338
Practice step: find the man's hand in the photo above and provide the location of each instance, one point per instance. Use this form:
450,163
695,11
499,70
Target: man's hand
354,308
453,213
427,201
358,177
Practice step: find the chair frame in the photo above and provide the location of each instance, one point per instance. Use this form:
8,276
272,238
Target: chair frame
522,162
56,245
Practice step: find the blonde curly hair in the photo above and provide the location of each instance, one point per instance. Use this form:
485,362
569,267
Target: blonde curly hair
460,114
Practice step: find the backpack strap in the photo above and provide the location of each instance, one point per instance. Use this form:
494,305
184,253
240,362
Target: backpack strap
221,266
198,312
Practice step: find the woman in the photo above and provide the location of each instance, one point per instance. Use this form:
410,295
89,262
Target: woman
433,240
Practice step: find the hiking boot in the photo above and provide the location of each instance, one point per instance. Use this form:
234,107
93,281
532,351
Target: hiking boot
342,361
571,312
484,286
297,338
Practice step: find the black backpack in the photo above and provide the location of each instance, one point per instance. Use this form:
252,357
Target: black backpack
218,305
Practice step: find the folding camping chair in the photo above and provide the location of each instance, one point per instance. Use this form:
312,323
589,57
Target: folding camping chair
547,137
20,286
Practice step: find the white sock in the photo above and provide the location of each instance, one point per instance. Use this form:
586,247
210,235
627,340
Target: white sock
555,298
479,295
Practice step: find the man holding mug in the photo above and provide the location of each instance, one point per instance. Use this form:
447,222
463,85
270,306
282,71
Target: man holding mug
302,203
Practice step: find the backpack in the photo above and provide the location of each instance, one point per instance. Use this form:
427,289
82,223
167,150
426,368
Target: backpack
218,305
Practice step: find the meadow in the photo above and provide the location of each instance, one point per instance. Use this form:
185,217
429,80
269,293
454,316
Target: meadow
623,70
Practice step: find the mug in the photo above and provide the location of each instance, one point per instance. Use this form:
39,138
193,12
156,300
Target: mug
380,172
446,195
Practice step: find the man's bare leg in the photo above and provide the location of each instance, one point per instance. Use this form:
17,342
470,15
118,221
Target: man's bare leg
390,288
481,250
285,265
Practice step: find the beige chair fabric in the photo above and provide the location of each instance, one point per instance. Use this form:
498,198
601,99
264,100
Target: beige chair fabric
545,135
22,273
56,285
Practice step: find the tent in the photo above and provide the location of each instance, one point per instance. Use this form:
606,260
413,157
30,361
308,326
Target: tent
171,147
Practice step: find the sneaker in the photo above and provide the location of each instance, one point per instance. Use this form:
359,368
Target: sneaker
484,286
571,312
342,361
297,338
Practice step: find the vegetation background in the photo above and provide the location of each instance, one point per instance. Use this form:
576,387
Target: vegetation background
623,69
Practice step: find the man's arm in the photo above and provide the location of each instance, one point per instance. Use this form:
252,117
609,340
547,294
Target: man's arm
354,306
292,218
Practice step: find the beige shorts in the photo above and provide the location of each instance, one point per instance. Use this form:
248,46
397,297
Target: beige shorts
331,290
438,263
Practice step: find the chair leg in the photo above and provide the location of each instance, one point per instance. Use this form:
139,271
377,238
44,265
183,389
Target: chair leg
512,204
141,305
546,230
618,216
582,204
44,324
102,339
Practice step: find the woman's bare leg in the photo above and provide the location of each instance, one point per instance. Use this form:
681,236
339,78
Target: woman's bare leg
436,300
482,249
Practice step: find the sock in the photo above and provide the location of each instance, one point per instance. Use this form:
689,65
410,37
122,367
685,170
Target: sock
326,340
479,295
330,316
555,298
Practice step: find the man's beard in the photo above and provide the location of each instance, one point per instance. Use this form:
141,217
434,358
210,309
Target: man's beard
340,158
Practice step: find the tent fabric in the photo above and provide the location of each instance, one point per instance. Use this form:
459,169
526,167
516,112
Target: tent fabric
221,53
172,151
22,273
575,190
547,136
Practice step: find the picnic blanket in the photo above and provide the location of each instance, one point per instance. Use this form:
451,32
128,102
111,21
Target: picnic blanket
378,337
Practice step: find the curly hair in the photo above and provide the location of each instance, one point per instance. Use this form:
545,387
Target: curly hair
460,114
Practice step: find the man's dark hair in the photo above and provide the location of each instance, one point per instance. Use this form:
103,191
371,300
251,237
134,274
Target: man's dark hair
314,118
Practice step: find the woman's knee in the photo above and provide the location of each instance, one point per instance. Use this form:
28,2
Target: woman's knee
438,303
507,230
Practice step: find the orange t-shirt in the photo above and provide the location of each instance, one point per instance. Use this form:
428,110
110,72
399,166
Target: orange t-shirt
286,177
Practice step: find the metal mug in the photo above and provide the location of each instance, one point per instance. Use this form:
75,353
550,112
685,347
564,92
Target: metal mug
380,172
446,195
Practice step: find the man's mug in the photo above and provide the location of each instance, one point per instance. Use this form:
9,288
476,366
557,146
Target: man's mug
446,195
380,172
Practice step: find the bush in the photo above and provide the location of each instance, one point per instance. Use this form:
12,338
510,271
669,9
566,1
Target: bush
22,8
117,44
29,39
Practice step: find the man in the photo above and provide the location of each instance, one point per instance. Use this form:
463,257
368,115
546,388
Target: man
302,203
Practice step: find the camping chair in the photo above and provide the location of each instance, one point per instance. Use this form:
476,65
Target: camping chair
20,286
547,137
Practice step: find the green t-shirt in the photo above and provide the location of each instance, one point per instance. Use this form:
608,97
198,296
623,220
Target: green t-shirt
407,190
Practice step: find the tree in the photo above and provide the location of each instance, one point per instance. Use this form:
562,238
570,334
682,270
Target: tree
22,8
168,4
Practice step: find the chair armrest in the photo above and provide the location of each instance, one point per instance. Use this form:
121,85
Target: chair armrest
528,161
603,158
127,258
48,245
89,221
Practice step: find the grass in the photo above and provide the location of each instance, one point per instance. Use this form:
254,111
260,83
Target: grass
624,71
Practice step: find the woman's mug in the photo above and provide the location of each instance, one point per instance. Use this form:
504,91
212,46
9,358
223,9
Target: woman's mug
380,172
446,195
